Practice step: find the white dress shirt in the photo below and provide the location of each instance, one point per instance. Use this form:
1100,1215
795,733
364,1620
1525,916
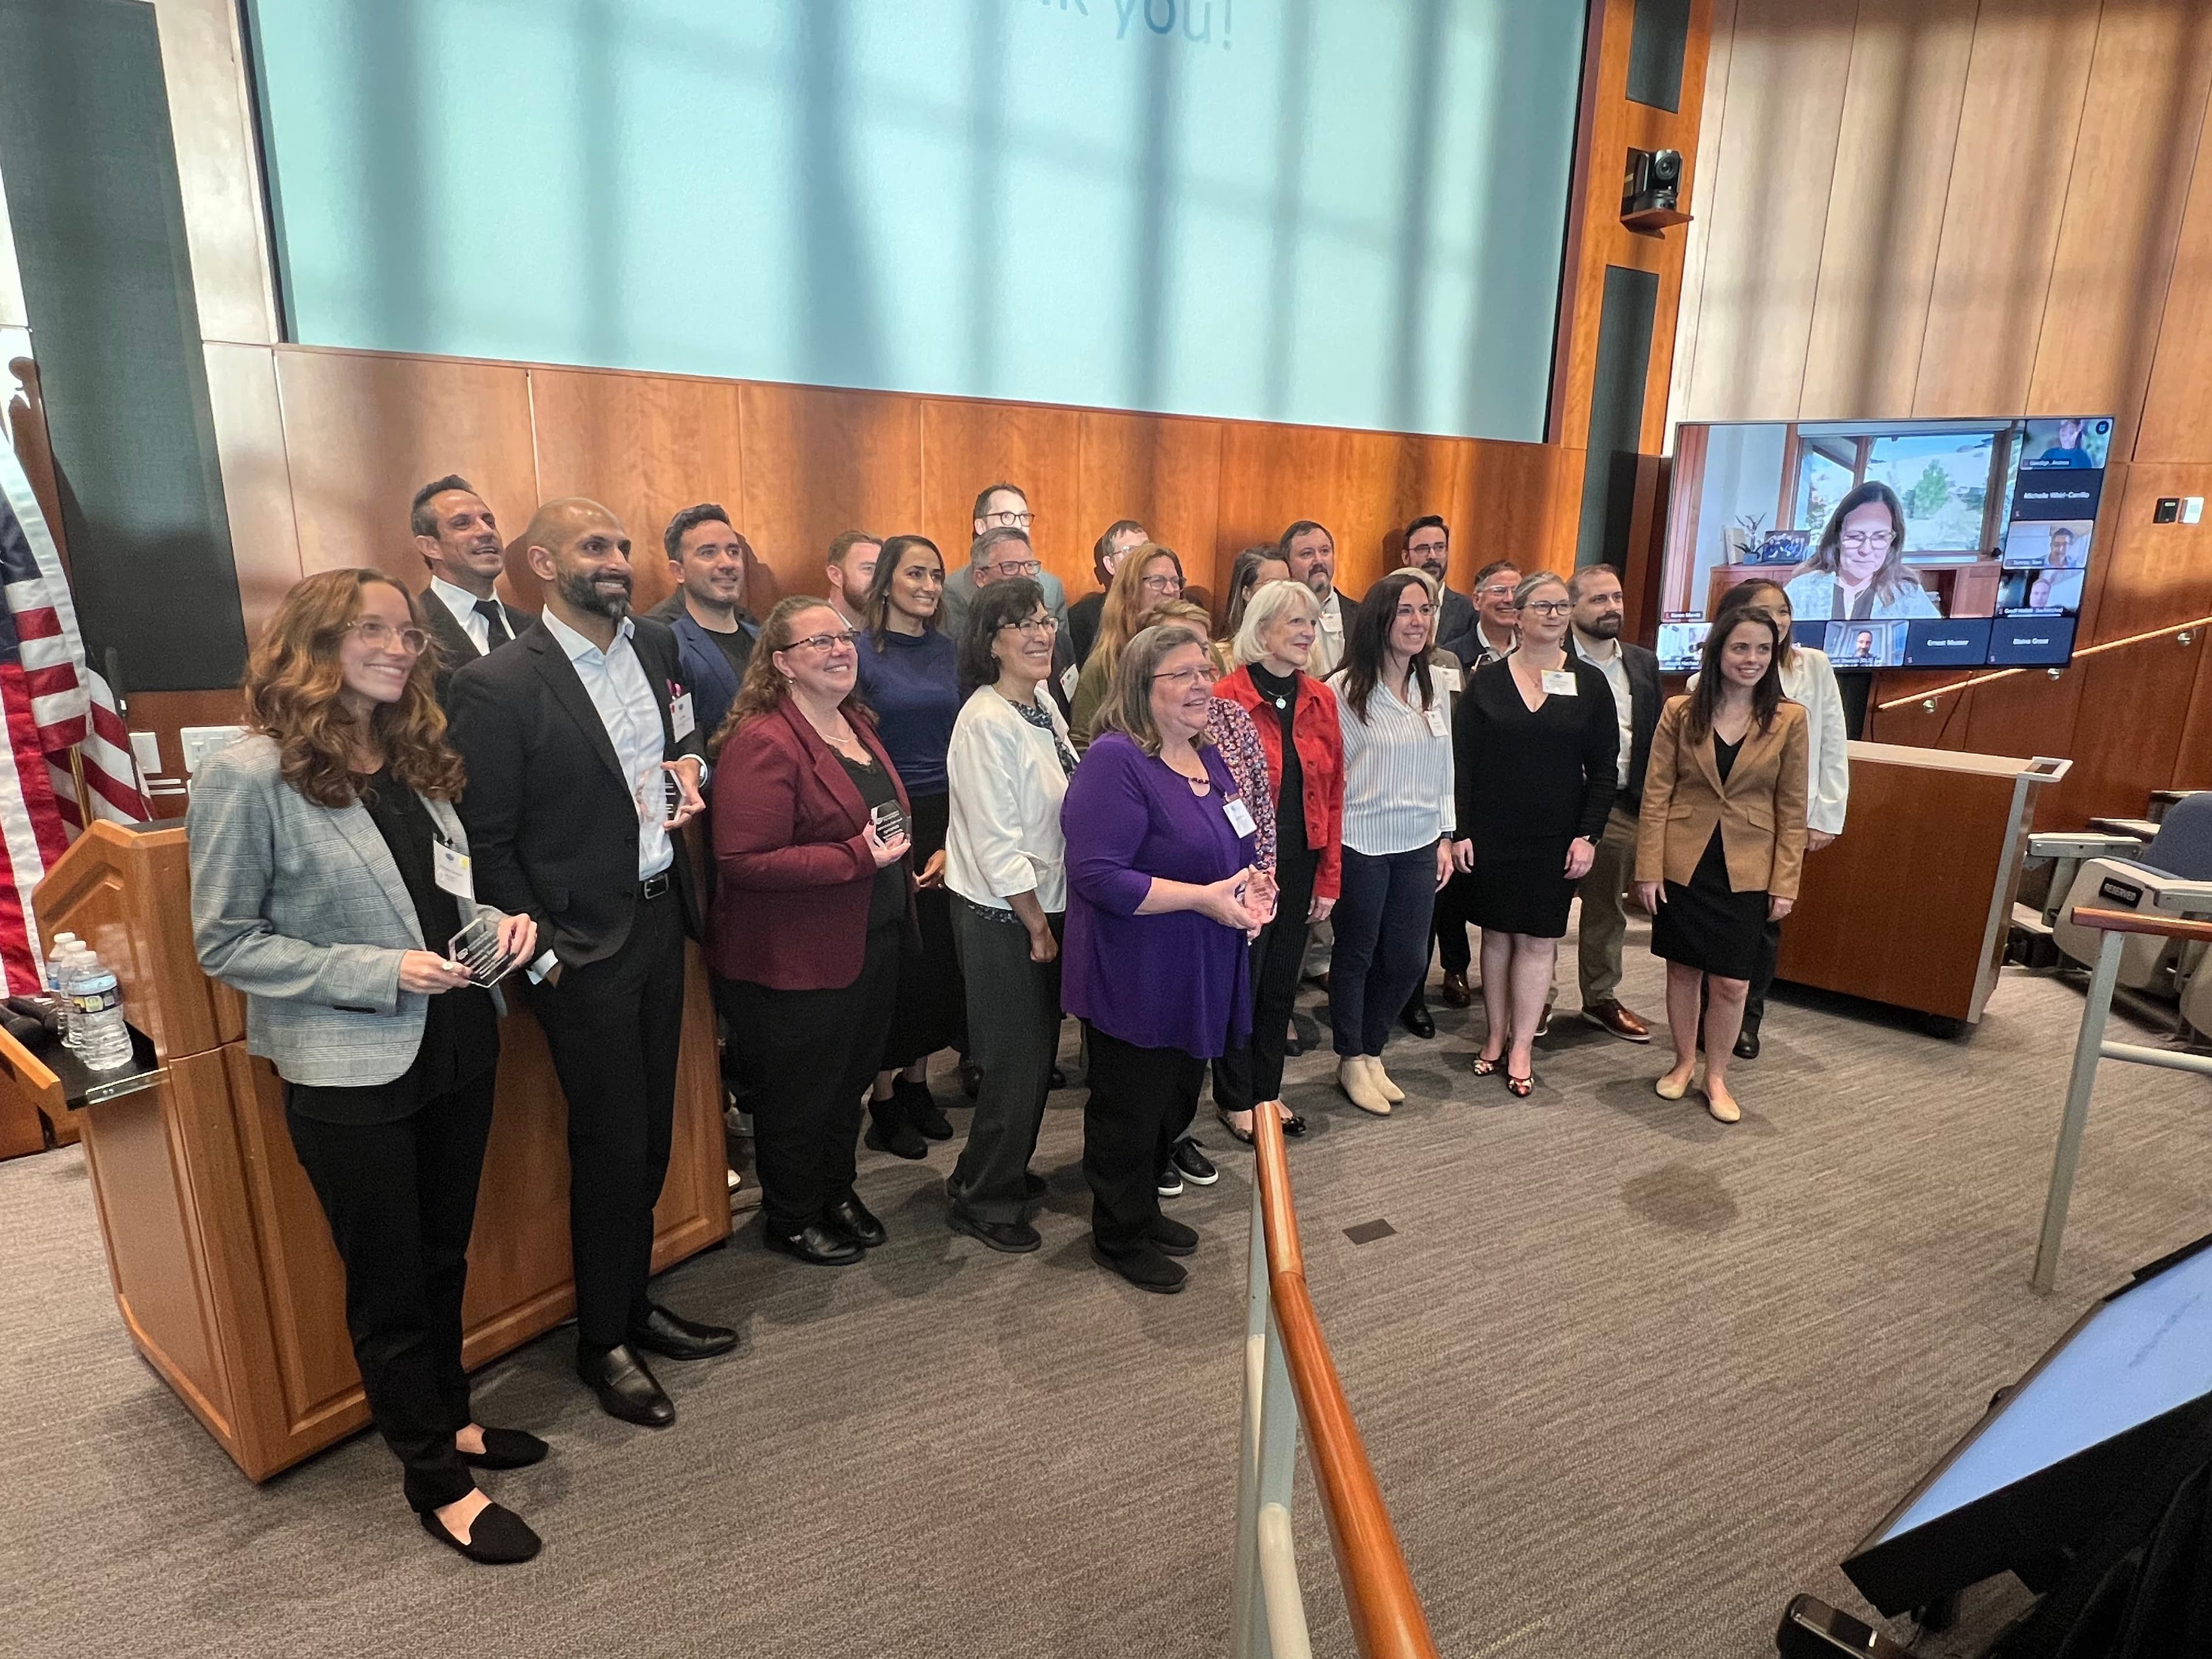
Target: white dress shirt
1329,638
1624,709
615,681
462,605
1397,772
1007,784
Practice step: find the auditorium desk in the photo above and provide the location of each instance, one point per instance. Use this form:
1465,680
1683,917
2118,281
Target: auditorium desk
1909,906
221,1259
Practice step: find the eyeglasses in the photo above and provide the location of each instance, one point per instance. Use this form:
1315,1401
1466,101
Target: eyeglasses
1021,520
825,641
1414,549
1495,591
1034,627
1160,584
382,637
1182,679
1549,607
1013,568
1861,539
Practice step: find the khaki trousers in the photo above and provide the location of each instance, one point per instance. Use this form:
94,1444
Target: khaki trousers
1604,924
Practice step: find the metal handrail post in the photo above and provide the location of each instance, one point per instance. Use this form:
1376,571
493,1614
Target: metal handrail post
1249,1626
2089,1047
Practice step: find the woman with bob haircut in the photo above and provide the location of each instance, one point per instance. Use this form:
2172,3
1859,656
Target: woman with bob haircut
1859,570
1163,901
1252,569
329,870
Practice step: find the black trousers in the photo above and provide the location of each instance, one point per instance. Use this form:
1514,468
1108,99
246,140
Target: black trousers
401,1198
813,1057
1141,1101
614,1027
1452,919
1770,949
1013,1035
1382,921
1255,1073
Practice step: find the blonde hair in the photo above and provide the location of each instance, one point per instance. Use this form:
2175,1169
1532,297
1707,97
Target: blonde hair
1266,607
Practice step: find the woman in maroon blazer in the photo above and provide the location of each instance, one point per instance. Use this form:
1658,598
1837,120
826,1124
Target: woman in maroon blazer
810,909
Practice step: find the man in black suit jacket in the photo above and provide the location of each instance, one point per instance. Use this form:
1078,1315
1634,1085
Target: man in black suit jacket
1428,547
458,540
572,738
1596,637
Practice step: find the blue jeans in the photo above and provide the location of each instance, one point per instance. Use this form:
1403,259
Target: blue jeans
1382,919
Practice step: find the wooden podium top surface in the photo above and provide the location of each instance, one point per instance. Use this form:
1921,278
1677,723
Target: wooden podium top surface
1941,760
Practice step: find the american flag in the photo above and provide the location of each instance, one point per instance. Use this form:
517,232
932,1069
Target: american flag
53,702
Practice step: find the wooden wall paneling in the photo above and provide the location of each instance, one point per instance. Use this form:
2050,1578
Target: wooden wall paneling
2017,129
363,431
1164,472
645,446
2177,417
1712,115
1517,502
1787,69
2127,739
1884,210
966,445
819,462
2148,575
257,477
2193,756
2142,118
1942,727
2025,713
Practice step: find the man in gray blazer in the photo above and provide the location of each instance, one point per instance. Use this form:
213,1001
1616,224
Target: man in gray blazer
999,506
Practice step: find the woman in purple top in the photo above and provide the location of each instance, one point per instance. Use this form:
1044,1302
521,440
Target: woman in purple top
1162,899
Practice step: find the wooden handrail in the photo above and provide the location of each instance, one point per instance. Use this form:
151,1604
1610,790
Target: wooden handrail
1972,681
1387,1620
2138,921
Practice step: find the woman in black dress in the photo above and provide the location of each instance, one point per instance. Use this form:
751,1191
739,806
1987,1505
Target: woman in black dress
1720,839
1538,755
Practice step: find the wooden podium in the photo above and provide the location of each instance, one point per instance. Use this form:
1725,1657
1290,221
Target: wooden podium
221,1258
1910,905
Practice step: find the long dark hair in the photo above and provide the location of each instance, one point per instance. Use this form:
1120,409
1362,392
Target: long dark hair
1705,696
1366,642
1828,556
878,609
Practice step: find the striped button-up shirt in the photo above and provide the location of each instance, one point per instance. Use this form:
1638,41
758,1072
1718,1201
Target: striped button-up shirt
1397,771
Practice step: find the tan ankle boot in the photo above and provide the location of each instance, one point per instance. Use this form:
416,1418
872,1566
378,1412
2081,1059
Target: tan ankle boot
1381,1079
1358,1085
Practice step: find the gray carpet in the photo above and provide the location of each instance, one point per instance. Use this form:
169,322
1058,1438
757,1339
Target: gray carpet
1630,1379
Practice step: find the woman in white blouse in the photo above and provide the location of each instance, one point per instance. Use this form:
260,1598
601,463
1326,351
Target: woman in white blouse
1399,846
1006,868
1807,678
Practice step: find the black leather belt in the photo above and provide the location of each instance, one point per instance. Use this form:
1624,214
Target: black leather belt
653,887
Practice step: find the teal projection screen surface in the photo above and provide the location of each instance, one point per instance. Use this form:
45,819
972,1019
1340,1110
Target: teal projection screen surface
1343,212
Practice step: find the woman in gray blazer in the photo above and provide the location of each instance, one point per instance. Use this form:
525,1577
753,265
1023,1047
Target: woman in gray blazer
328,872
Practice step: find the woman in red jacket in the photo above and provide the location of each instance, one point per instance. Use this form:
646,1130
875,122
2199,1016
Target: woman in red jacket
812,903
1296,715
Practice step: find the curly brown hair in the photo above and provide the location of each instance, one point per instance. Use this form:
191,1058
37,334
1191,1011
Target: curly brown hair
764,687
292,686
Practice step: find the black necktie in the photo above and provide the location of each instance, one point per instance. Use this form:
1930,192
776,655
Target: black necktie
495,633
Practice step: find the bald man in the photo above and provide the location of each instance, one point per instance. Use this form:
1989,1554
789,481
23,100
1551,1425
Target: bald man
577,738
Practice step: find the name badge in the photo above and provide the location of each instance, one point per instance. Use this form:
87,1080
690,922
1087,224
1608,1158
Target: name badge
681,722
450,867
1447,680
1240,816
1560,683
1435,718
1067,681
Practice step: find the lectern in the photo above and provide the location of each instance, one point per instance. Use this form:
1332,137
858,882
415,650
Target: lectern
222,1261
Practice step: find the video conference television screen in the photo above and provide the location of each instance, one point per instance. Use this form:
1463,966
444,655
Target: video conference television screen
1999,517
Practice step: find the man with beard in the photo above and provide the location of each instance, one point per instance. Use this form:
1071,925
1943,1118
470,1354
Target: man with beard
709,558
575,741
851,567
1310,552
1633,674
458,538
1428,547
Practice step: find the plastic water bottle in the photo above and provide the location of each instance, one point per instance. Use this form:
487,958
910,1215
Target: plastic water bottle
64,943
103,1042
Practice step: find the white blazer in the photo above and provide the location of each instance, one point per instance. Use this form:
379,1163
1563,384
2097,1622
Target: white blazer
1809,678
1007,784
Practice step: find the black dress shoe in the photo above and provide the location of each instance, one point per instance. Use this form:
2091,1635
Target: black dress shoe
1145,1268
1008,1237
674,1337
626,1389
892,1133
1294,1125
1416,1019
1746,1042
971,1078
851,1218
921,1109
815,1243
1172,1237
506,1449
497,1538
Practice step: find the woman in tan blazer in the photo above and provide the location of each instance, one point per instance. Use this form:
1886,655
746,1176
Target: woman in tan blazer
1721,840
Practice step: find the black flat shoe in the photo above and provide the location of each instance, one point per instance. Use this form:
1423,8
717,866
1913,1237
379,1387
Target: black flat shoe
1145,1268
1417,1019
899,1138
971,1078
506,1449
674,1337
498,1538
922,1110
1008,1237
1294,1125
1746,1044
625,1389
815,1244
851,1218
1172,1238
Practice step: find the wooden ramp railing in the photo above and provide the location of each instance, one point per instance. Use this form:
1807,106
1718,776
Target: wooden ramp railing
1289,1380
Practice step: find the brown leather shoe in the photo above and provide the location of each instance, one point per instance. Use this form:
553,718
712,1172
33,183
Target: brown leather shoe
1455,994
1610,1016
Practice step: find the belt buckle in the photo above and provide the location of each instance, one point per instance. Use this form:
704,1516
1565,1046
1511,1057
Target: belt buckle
654,886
